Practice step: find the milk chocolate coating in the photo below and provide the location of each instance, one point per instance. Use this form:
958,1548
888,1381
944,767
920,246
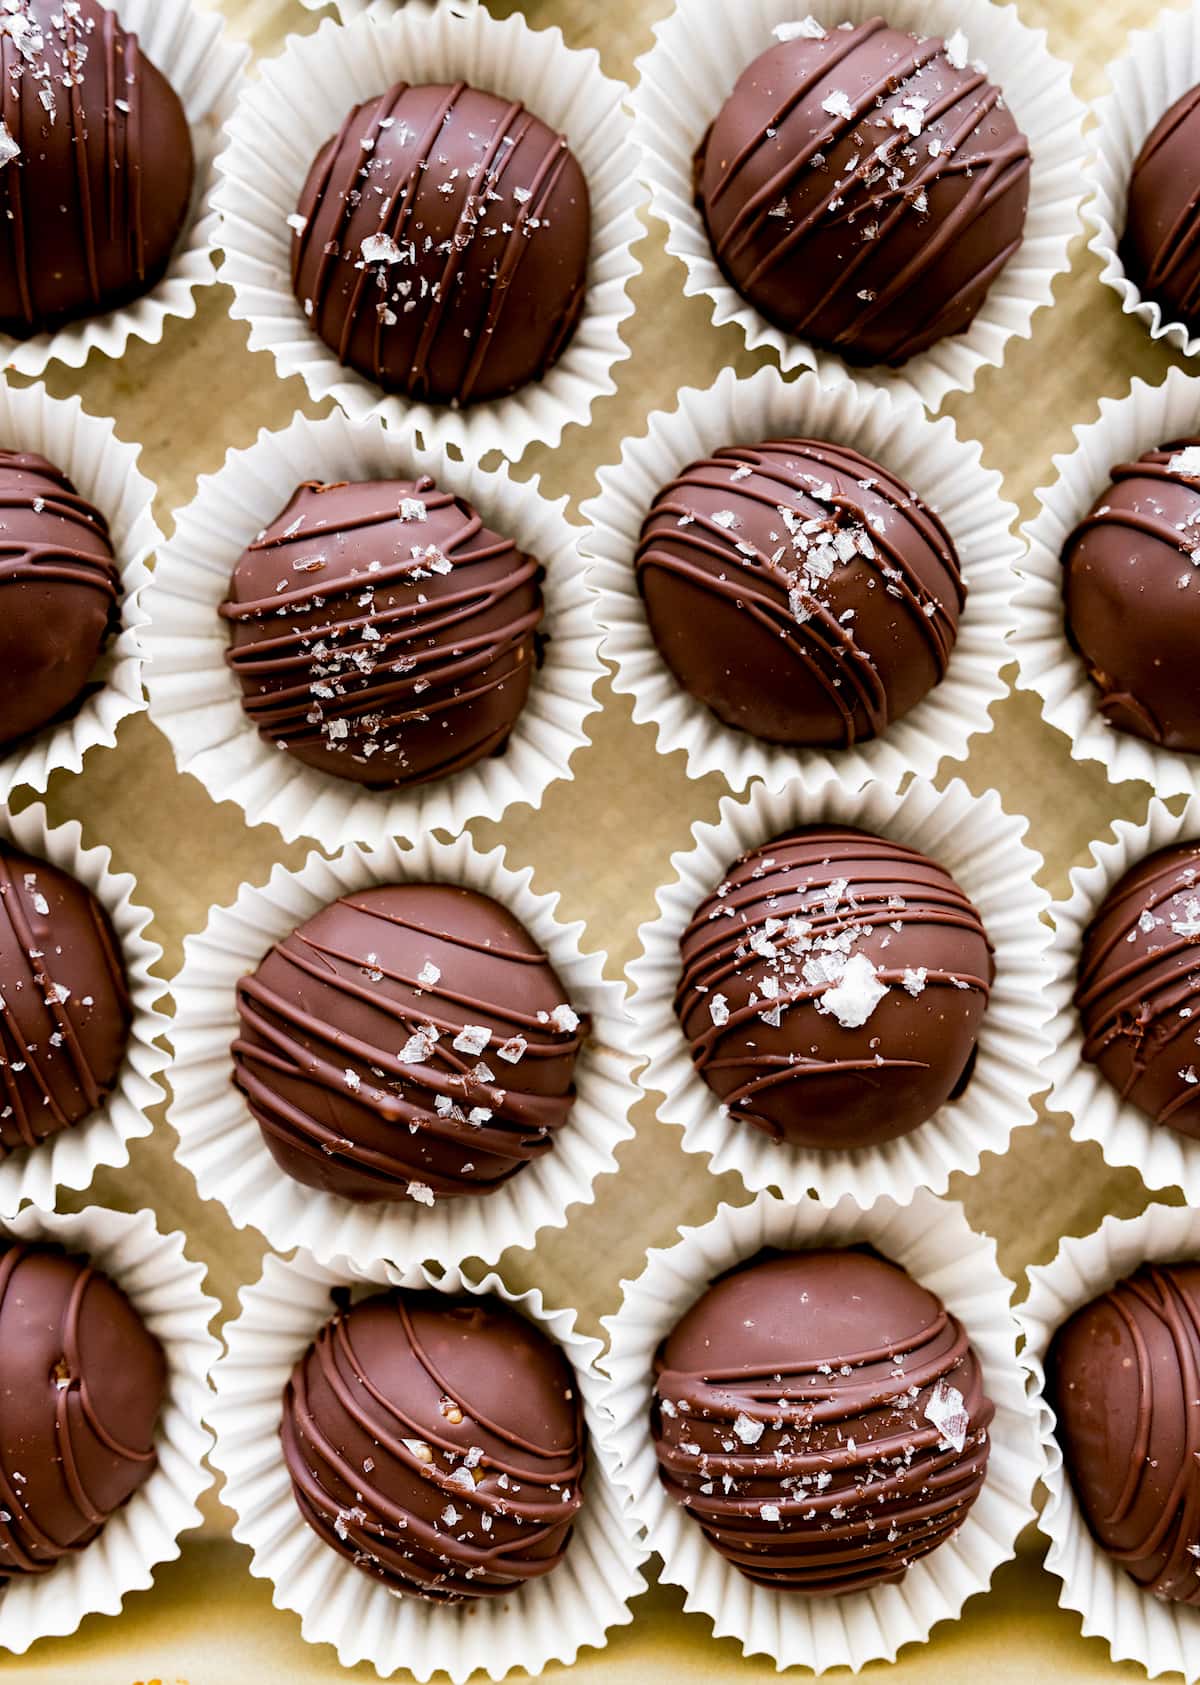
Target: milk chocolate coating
1131,583
445,249
347,1055
800,591
438,1443
96,172
65,1010
1123,1378
832,988
382,633
863,191
1160,248
81,1388
822,1417
1138,990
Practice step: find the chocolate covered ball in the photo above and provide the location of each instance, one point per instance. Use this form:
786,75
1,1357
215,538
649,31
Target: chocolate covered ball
822,1417
800,591
1131,584
438,1443
442,243
408,1041
81,1387
1122,1377
1160,248
96,165
65,1009
864,189
833,987
382,633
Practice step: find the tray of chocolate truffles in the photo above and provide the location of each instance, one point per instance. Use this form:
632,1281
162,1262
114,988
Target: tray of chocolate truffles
600,855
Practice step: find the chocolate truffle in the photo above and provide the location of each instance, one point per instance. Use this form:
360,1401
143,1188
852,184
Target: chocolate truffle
65,1010
822,1417
1160,248
442,243
1138,990
59,594
832,988
408,1041
1131,584
96,165
800,591
83,1383
437,1443
382,633
863,188
1123,1377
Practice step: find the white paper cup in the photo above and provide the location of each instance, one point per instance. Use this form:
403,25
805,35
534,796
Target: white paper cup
348,10
928,455
984,849
300,100
548,1620
931,1240
700,51
1164,1637
165,1288
1149,416
222,1146
195,698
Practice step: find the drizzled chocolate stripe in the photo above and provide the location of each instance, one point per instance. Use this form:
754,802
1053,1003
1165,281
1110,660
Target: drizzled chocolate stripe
1160,246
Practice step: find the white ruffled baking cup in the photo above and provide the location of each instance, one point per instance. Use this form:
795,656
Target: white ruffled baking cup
1164,1637
932,1240
547,1620
165,1287
348,10
701,49
204,66
1149,416
222,1146
928,455
196,700
71,1158
984,849
299,101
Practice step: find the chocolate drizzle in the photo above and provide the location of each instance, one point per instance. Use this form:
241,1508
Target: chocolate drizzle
1160,247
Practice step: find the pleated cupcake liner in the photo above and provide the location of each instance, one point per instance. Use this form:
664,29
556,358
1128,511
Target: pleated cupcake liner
928,455
349,10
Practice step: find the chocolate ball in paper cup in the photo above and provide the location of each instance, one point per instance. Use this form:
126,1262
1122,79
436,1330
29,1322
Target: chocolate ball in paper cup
908,312
892,609
844,992
552,1615
493,367
970,1410
462,699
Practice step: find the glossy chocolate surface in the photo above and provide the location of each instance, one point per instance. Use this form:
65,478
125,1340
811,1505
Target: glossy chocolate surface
1161,244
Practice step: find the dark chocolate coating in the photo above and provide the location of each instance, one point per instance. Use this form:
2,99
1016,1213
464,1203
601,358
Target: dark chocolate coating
438,1443
775,964
1123,1378
65,1011
338,1065
382,633
92,203
81,1387
822,1417
1160,248
1138,990
800,591
477,226
843,224
1131,585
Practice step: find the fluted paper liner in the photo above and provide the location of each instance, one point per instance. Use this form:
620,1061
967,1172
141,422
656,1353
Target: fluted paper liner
701,49
928,455
929,1238
300,100
204,66
984,849
222,1146
165,1288
1149,416
549,1619
196,700
348,10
